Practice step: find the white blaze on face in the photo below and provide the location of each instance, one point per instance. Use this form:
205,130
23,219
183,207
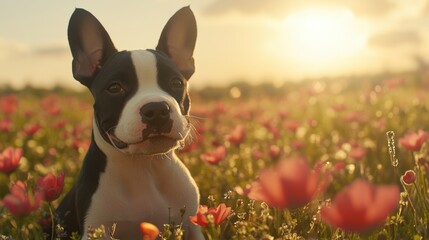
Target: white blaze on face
130,125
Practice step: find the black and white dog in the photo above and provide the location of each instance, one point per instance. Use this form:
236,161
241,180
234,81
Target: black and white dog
131,173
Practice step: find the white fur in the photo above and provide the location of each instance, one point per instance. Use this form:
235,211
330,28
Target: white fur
130,126
137,187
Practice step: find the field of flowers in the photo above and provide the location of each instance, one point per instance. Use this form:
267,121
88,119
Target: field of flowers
320,160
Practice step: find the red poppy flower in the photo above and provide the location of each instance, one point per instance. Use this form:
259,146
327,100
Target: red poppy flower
256,154
413,141
289,184
338,107
361,206
297,144
9,159
5,125
220,108
219,214
357,152
275,132
291,125
31,129
409,177
274,152
8,104
339,166
20,201
51,186
236,137
190,147
60,124
215,156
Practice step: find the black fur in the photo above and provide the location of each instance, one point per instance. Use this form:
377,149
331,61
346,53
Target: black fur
167,72
118,69
79,18
79,198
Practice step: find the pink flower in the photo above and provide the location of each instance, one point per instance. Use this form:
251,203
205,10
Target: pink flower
297,144
409,177
215,156
256,154
5,125
220,108
271,128
219,214
361,206
60,124
20,201
51,186
81,144
338,107
9,159
190,147
8,104
357,152
289,184
291,125
283,114
353,116
50,105
28,113
379,124
236,137
339,166
413,141
312,122
31,129
274,152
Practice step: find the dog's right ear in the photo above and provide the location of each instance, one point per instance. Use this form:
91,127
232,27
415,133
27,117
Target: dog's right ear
178,40
90,46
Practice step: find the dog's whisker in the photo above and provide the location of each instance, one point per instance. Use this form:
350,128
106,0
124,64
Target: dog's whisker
194,133
108,131
196,117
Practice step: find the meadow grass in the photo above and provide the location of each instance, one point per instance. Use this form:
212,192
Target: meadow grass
320,121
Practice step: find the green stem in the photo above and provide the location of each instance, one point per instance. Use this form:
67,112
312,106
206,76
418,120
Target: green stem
422,199
423,179
19,225
410,201
52,221
222,232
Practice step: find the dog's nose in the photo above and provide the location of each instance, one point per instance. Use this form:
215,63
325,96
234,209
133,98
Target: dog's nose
155,114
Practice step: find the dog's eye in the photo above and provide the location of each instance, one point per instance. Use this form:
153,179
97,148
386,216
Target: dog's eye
177,83
115,88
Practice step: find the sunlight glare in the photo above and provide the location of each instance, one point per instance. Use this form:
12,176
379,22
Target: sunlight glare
321,37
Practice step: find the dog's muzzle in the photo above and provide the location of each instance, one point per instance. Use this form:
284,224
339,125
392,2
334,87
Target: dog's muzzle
156,116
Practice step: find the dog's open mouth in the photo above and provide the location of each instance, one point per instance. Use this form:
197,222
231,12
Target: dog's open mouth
116,142
154,138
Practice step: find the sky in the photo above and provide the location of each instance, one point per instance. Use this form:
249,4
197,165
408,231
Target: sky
252,40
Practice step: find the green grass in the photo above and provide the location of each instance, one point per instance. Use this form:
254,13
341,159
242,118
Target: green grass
371,108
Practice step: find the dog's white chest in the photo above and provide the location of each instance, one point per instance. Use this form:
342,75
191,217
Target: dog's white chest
131,191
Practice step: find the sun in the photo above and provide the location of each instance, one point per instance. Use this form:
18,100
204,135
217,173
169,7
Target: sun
322,37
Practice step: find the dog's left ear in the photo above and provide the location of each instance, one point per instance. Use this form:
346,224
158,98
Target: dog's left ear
90,45
178,40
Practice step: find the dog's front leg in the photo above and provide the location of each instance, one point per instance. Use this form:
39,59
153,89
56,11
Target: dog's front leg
195,233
